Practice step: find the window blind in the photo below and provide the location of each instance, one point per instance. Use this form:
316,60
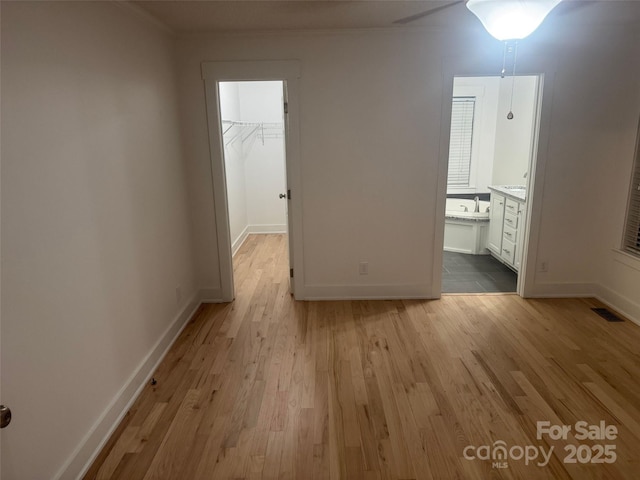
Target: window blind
632,232
461,141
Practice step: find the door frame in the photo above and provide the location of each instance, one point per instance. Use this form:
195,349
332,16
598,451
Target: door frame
287,71
545,70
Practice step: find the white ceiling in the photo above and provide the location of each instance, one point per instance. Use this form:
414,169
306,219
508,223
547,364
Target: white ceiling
188,16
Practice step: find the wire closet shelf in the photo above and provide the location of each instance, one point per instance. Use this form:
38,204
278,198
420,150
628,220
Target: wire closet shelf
248,132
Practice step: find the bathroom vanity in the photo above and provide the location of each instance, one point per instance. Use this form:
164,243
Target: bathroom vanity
506,224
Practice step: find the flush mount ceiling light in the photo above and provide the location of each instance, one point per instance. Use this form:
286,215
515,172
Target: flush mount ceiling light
511,19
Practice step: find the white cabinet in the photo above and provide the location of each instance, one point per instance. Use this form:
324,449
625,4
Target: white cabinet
506,223
511,206
508,254
496,220
522,220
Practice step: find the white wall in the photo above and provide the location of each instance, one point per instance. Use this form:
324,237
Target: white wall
514,137
487,93
501,147
595,118
604,129
620,275
234,164
370,129
367,165
95,225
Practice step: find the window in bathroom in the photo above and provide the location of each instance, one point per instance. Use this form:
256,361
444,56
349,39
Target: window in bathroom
631,241
462,115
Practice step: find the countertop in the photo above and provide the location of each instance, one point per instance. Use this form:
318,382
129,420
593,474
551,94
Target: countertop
518,192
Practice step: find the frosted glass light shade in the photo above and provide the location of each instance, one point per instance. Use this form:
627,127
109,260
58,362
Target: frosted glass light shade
511,19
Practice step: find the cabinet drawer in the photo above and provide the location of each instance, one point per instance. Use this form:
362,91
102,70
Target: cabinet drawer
508,251
510,220
511,206
510,233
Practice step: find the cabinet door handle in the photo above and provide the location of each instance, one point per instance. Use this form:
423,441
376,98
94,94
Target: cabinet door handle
508,251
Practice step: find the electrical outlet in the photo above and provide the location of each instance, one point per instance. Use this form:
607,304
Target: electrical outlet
543,266
364,268
178,294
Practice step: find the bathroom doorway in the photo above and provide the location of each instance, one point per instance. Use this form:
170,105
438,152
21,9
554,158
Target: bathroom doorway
494,123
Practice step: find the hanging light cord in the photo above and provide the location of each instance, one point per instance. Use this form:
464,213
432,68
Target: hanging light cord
513,80
504,59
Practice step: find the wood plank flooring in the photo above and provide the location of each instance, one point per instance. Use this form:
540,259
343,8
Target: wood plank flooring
268,388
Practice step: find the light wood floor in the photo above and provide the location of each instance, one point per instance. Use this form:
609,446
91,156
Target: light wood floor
268,387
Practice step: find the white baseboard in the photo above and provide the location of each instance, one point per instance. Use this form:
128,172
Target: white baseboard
621,304
484,251
366,292
91,445
458,250
210,295
235,246
561,289
267,228
255,229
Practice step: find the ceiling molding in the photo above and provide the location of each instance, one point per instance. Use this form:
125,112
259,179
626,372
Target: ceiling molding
144,15
186,17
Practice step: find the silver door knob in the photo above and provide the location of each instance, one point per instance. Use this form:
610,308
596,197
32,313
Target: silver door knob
282,195
5,416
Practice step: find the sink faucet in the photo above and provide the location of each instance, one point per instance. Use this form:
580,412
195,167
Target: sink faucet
477,207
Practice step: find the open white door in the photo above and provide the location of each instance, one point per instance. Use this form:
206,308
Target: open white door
1,372
287,71
1,396
288,210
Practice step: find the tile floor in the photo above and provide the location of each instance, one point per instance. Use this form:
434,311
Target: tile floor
463,273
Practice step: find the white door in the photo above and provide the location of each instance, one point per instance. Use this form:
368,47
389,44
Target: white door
287,183
289,72
1,390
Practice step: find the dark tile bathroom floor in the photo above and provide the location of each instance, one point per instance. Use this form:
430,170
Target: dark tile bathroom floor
462,273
